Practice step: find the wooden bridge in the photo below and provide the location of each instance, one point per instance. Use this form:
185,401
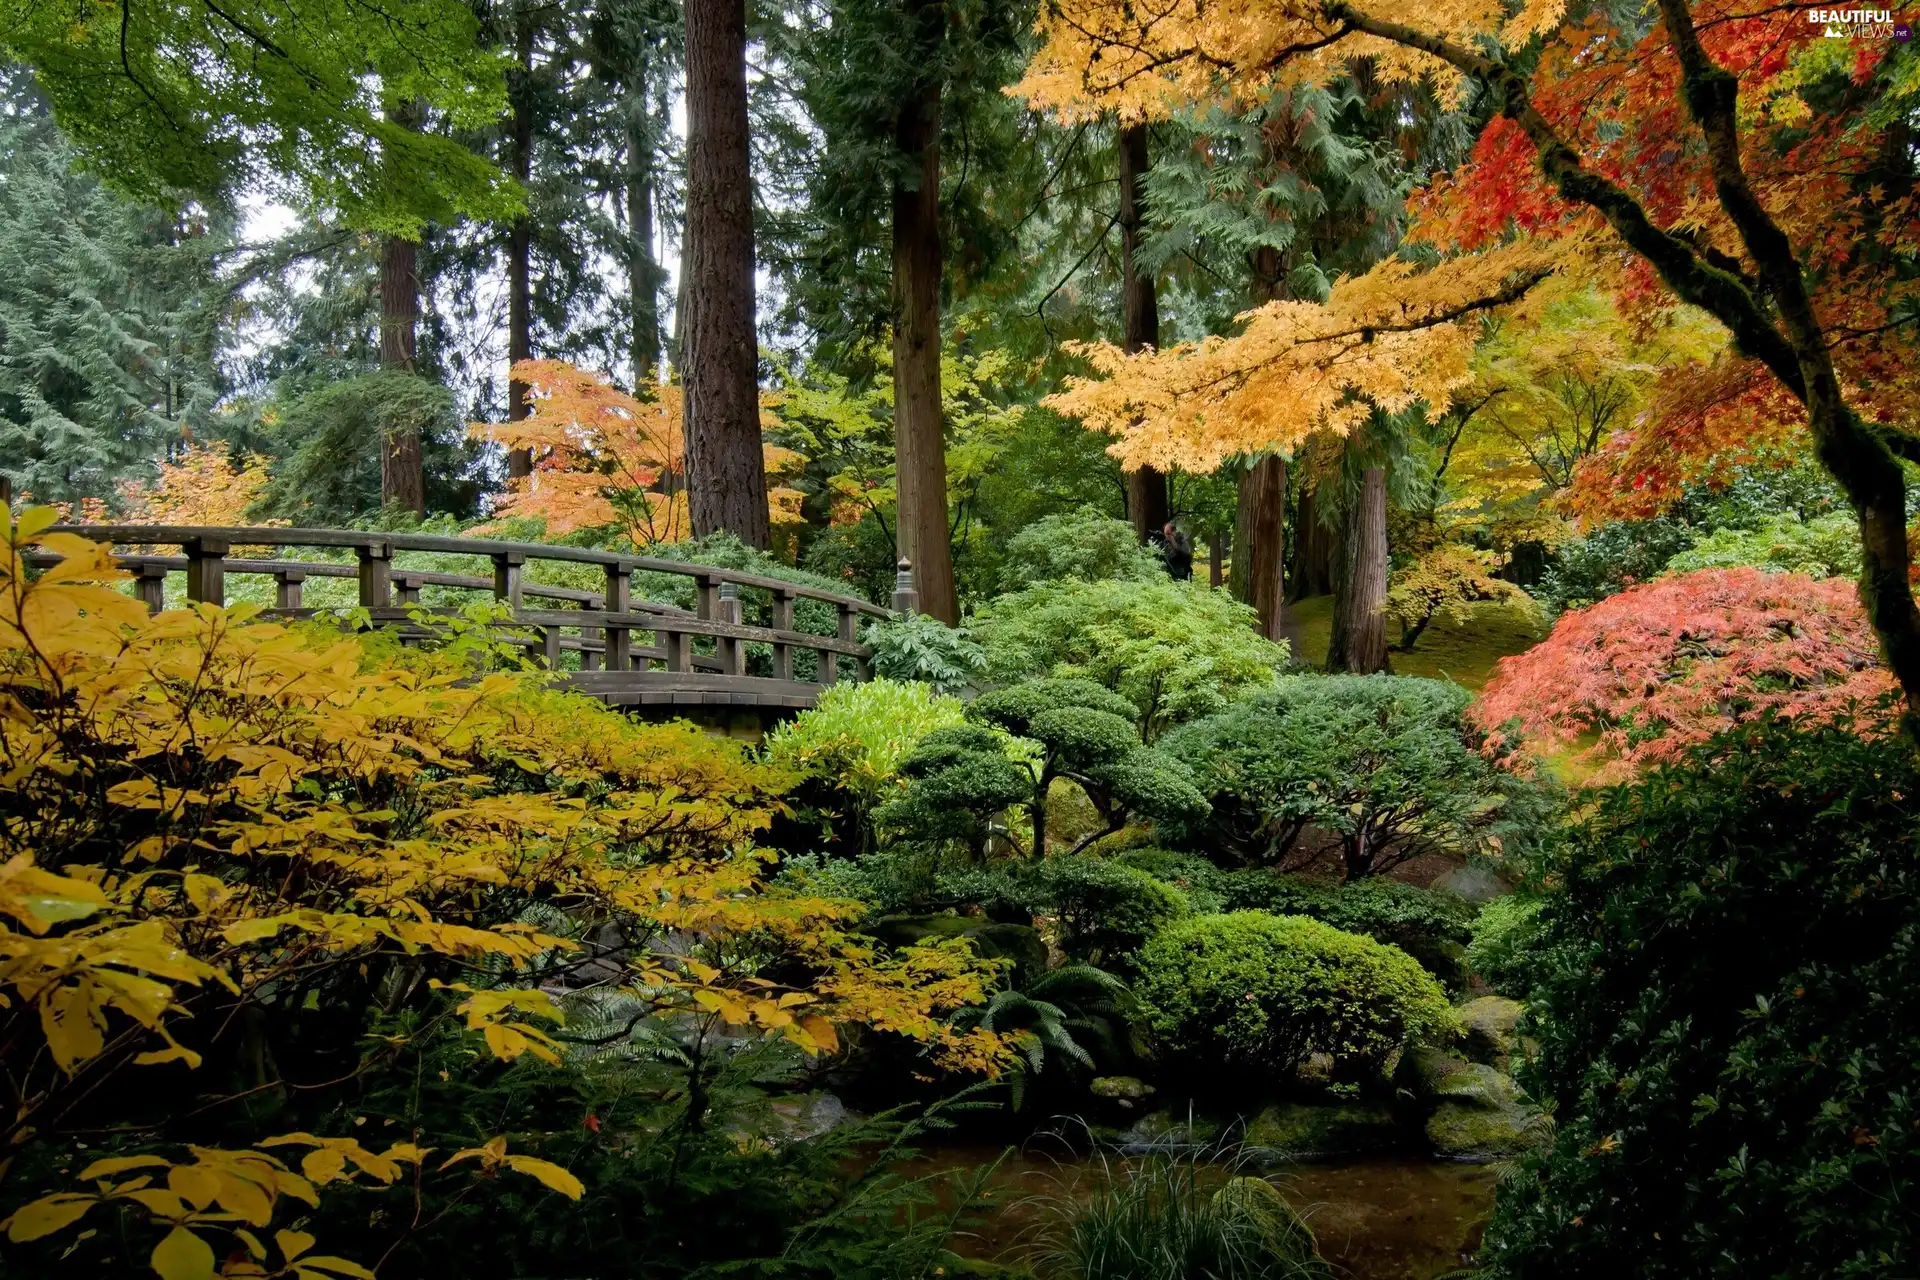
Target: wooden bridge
741,646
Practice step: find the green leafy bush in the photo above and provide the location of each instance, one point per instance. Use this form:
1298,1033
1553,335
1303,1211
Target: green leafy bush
1611,559
848,748
1824,547
1106,911
1202,882
1727,1011
1083,544
925,650
1431,927
1505,936
1257,993
1386,763
1175,651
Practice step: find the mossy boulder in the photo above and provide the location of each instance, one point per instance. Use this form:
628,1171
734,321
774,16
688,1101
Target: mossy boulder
1170,1129
1469,1131
1125,1090
1022,944
1303,1131
1489,1023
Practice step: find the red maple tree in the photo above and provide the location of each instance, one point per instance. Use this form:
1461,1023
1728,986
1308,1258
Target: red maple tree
1644,674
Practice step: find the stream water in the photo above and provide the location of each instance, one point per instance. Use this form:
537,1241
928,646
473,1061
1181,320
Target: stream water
1387,1218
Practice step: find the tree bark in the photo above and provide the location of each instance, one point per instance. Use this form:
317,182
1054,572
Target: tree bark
520,241
1260,542
1317,551
726,469
1360,624
402,472
1147,503
920,454
643,272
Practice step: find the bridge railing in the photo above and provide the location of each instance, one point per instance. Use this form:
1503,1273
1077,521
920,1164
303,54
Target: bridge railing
622,646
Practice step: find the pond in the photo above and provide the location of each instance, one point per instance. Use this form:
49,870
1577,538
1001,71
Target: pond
1377,1218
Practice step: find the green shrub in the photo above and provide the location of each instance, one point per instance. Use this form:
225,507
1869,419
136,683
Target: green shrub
1611,559
1824,547
1081,544
1106,911
1727,1012
958,779
1174,650
926,650
1202,882
1386,763
1162,1219
1257,993
847,750
1504,939
1431,927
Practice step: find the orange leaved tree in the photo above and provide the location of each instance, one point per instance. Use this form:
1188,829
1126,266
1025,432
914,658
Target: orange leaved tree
604,459
248,870
1643,675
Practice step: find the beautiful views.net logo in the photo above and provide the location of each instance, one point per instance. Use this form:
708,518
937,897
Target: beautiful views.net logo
1873,24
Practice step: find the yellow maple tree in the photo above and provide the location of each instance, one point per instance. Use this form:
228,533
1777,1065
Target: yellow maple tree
206,818
603,458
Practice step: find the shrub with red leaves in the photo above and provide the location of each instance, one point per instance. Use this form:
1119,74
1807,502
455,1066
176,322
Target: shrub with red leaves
1644,674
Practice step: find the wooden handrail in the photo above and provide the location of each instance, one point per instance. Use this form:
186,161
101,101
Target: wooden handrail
604,629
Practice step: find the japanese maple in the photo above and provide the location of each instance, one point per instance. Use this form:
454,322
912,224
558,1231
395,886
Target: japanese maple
1642,675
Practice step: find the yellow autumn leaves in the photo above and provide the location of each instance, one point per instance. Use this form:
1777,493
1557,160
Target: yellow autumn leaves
207,817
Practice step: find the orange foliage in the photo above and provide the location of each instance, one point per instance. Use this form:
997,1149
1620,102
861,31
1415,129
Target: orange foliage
604,458
1667,664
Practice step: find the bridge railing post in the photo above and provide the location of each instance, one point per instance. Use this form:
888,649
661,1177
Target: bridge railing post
152,587
782,621
207,570
619,601
729,650
376,574
287,588
507,567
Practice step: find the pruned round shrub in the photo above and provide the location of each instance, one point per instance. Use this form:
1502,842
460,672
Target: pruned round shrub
1081,544
1257,993
1431,927
1106,911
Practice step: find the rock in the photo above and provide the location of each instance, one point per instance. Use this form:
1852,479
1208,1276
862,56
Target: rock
1314,1073
1125,1089
1304,1131
1168,1130
1489,1022
1019,943
1423,1069
1468,1131
1476,884
804,1115
1477,1084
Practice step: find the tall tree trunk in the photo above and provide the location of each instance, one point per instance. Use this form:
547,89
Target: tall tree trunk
1147,503
1260,508
1360,603
726,469
643,272
1316,556
520,239
1260,542
402,473
920,450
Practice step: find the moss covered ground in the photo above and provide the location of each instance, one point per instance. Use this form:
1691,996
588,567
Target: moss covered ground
1465,653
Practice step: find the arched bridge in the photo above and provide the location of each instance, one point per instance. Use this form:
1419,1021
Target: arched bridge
739,640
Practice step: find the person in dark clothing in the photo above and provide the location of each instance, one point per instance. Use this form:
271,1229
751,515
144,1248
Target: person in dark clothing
1177,548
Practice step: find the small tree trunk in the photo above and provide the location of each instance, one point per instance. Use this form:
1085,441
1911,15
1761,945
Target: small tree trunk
1318,553
1360,617
520,239
1260,542
1147,504
919,430
726,468
402,473
643,273
1216,561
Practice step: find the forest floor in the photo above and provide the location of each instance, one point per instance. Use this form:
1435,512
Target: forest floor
1465,654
